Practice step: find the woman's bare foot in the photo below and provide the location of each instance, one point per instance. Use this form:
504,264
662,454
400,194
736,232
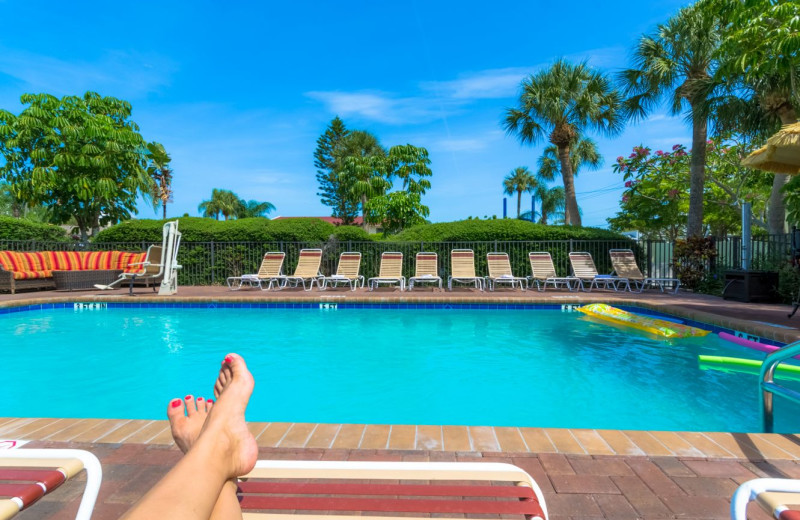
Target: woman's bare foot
225,429
186,419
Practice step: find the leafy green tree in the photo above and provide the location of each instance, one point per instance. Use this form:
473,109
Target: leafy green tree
81,157
396,211
364,177
159,170
254,208
564,102
671,64
411,165
755,82
327,158
655,203
224,202
519,181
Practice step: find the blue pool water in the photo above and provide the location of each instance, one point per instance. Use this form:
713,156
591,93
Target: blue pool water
471,367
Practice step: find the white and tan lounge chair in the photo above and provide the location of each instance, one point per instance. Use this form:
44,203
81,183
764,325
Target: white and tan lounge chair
390,271
268,273
389,489
347,272
307,270
778,497
624,263
26,475
500,272
462,269
543,273
426,270
583,267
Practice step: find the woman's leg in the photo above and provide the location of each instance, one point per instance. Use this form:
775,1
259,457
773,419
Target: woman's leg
186,419
224,450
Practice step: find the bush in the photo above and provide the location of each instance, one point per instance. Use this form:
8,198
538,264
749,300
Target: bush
196,229
501,229
692,262
20,229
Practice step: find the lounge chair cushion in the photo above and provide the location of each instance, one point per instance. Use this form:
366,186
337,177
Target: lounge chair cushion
24,265
126,261
65,260
100,260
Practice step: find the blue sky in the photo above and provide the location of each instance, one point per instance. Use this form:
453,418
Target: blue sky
239,92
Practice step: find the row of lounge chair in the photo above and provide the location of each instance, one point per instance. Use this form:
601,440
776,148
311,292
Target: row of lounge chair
626,275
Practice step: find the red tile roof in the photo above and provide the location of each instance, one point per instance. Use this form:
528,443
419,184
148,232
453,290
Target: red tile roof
333,220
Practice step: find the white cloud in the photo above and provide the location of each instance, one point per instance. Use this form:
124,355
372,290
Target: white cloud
486,84
379,106
117,73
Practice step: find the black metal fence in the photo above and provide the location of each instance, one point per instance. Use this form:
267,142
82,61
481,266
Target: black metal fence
209,263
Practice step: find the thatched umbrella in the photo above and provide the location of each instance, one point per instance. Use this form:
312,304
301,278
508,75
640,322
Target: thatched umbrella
781,154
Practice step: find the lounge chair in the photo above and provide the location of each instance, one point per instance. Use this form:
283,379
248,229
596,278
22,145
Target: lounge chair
462,269
390,271
347,272
307,270
624,262
325,488
500,272
426,270
543,273
779,497
583,267
27,475
270,273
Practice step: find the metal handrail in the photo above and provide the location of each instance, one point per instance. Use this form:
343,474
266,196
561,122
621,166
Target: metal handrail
768,386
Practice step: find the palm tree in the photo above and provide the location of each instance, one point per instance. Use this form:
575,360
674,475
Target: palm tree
158,168
672,64
552,203
564,101
222,201
582,153
253,208
519,181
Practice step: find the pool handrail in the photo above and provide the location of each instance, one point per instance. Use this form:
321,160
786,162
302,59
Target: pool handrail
769,387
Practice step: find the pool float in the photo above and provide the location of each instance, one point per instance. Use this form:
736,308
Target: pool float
752,366
749,343
655,326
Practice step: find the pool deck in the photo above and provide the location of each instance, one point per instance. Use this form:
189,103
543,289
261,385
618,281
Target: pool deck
584,473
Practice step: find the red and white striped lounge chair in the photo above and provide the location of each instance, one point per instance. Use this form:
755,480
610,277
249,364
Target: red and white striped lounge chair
583,268
27,475
462,269
347,272
390,489
500,272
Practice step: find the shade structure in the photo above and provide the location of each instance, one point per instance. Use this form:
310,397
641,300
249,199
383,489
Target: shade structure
781,154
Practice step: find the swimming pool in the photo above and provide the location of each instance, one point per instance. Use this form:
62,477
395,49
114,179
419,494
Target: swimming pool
462,365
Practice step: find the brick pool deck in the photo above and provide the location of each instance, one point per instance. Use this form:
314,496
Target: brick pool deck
584,473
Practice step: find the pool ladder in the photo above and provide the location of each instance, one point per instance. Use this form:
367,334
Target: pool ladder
768,387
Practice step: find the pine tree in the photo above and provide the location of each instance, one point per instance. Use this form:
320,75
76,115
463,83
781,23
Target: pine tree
326,159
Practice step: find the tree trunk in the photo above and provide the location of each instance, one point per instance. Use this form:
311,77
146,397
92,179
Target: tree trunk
571,214
776,218
363,209
697,174
519,203
164,205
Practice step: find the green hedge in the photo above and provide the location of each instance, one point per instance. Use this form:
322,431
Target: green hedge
503,229
20,229
196,229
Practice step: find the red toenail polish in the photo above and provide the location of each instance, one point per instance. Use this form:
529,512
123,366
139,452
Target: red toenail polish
210,401
228,359
188,397
176,403
199,398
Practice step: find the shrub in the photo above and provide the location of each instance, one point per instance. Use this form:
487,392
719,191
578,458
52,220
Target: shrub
502,229
20,229
692,261
196,229
354,233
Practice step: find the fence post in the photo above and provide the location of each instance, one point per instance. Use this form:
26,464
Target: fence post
570,245
213,264
650,258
